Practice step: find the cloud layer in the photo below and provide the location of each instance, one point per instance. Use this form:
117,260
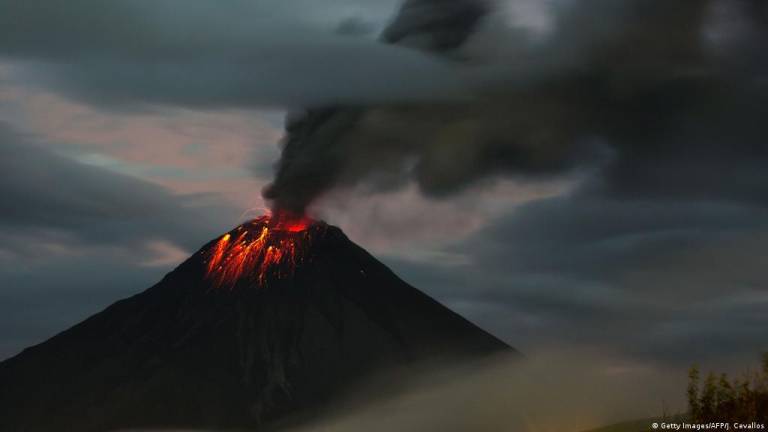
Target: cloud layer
127,54
599,89
649,112
74,237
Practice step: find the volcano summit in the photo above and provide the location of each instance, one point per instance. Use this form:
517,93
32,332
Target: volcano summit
271,319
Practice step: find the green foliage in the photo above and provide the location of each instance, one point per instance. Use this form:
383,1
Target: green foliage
721,399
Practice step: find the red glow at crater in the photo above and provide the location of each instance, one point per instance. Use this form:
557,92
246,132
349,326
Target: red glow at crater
264,248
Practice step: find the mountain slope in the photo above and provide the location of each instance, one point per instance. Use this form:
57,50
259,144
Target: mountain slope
188,353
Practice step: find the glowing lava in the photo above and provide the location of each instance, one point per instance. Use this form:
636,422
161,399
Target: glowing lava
264,248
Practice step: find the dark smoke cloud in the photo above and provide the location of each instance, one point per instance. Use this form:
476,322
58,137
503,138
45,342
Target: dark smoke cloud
309,163
659,93
435,25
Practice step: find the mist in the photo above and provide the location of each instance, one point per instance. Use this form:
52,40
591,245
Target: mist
552,391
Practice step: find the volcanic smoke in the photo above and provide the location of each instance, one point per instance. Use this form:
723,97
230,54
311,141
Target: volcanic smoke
270,246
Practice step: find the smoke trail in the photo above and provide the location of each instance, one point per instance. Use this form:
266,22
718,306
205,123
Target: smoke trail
315,152
644,83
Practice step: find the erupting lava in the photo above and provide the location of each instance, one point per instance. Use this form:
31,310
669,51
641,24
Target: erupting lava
268,246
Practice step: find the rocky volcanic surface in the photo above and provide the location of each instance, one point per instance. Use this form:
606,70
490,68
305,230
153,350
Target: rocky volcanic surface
187,354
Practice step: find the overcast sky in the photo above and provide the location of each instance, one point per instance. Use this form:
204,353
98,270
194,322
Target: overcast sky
627,214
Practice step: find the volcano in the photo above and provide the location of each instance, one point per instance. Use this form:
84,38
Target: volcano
268,320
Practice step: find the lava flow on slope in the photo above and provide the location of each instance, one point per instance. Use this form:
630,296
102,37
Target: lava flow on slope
271,246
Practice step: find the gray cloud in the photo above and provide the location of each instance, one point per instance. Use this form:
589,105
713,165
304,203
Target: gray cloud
456,95
662,282
126,54
74,237
43,191
601,88
156,30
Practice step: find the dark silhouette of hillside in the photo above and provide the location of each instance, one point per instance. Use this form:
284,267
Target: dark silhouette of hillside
185,353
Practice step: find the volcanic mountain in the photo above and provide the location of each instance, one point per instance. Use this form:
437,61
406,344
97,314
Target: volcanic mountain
270,319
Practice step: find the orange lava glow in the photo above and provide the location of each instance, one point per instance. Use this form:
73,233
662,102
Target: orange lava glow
266,247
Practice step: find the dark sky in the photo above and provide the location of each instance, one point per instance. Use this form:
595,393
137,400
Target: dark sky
575,175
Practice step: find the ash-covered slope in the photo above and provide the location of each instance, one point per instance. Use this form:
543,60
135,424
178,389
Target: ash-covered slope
188,353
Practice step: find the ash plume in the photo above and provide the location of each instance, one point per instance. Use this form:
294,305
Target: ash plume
637,86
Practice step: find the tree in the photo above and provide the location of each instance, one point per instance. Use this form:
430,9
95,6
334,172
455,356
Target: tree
726,398
708,401
720,399
694,408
